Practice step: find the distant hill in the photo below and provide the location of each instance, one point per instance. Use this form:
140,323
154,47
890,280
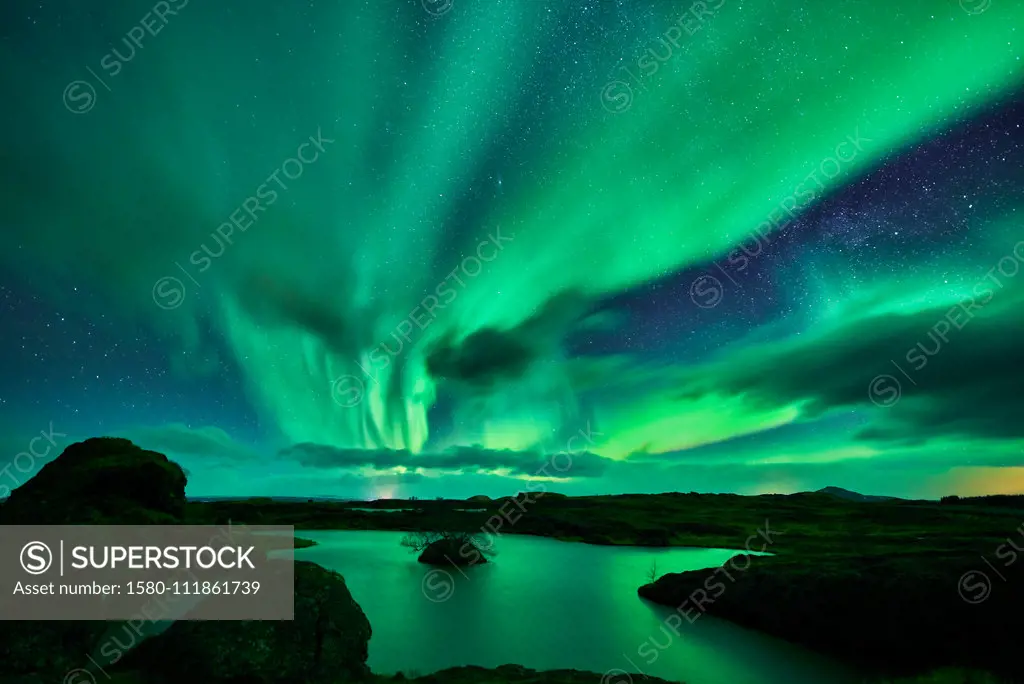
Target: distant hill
291,499
1014,501
847,495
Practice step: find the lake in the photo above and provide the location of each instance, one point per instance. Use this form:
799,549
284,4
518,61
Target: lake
547,605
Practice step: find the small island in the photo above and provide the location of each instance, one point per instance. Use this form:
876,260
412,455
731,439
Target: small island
449,548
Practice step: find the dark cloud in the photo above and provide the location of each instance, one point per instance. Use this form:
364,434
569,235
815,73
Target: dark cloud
279,299
325,456
949,381
490,355
482,358
476,459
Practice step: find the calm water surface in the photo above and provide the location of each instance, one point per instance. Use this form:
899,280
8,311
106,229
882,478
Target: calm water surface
547,604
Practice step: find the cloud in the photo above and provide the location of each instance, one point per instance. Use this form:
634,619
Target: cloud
406,478
476,459
489,354
959,374
210,442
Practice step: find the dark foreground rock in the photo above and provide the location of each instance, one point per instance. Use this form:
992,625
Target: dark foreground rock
48,650
101,481
326,642
902,614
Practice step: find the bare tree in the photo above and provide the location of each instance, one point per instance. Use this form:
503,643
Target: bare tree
652,572
462,548
417,541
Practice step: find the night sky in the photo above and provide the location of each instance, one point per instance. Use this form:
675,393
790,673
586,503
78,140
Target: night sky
383,248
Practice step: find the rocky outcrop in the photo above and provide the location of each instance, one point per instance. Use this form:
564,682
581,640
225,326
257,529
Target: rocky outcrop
302,543
101,481
903,613
107,481
326,642
48,650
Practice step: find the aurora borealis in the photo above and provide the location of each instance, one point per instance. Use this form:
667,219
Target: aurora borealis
393,247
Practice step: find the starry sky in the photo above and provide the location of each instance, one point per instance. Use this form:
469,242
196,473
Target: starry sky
390,248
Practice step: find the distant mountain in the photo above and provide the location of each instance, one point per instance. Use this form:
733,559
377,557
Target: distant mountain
846,494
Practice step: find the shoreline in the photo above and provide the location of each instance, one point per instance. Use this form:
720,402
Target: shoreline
833,573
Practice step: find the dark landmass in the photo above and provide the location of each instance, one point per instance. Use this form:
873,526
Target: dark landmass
1005,501
503,674
510,674
438,553
301,543
300,499
112,482
516,674
900,613
894,584
952,676
809,523
449,552
852,496
875,582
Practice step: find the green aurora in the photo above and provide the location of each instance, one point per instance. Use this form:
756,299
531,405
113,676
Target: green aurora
489,184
